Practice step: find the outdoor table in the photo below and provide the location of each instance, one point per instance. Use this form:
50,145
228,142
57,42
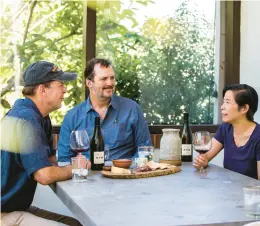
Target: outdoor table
184,198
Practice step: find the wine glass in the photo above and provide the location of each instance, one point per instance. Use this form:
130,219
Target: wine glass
106,152
146,152
202,143
79,141
108,161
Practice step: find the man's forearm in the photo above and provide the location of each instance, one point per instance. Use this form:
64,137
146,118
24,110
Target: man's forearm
52,174
61,173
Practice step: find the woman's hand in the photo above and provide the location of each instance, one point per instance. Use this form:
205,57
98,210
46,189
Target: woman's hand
200,160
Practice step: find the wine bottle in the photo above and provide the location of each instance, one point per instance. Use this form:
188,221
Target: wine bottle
186,136
97,147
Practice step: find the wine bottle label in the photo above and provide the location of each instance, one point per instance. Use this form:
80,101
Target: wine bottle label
99,157
186,149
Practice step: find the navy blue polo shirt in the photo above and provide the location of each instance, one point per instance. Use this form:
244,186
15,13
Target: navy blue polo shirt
31,133
241,159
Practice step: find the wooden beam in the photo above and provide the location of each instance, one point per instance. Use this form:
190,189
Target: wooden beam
232,42
157,129
90,28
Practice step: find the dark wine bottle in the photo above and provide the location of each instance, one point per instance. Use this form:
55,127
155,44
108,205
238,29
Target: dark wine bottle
186,137
97,147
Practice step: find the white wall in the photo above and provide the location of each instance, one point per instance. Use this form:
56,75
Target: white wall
250,47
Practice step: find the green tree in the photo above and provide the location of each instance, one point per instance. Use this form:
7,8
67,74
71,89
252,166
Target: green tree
169,64
118,43
46,31
180,62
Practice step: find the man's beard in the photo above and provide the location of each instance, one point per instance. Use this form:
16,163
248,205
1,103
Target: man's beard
103,95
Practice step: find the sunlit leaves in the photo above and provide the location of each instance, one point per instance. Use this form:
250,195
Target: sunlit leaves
174,66
165,64
54,34
5,103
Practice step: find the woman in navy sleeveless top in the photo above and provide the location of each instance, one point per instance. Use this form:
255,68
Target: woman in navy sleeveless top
239,135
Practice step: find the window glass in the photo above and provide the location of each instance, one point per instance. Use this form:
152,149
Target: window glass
163,52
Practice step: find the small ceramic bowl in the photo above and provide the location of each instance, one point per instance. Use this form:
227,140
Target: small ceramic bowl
122,163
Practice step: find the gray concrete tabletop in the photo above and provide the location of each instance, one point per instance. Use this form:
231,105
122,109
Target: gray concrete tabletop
184,198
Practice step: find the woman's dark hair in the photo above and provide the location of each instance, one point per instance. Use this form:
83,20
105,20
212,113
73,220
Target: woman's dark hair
89,71
244,94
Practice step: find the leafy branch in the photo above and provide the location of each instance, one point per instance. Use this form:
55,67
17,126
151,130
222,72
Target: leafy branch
29,21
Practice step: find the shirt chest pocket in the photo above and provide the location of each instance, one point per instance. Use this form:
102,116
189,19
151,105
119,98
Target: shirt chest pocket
116,133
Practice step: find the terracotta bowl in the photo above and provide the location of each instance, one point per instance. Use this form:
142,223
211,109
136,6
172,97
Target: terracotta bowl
122,163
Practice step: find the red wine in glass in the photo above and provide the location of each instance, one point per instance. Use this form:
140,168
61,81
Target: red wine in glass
202,143
202,151
79,141
79,150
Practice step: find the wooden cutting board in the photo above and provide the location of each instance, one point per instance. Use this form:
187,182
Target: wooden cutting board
136,175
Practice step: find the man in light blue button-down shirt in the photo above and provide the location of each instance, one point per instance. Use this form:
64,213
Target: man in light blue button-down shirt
122,122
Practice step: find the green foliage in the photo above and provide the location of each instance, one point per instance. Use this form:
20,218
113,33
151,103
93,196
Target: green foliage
126,75
55,33
166,65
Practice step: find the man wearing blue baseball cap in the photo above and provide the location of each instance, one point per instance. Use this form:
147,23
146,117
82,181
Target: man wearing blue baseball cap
26,150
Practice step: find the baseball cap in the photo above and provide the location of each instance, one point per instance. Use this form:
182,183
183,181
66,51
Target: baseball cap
44,71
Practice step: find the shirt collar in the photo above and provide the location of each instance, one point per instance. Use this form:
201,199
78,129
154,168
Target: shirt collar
31,104
113,103
88,105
